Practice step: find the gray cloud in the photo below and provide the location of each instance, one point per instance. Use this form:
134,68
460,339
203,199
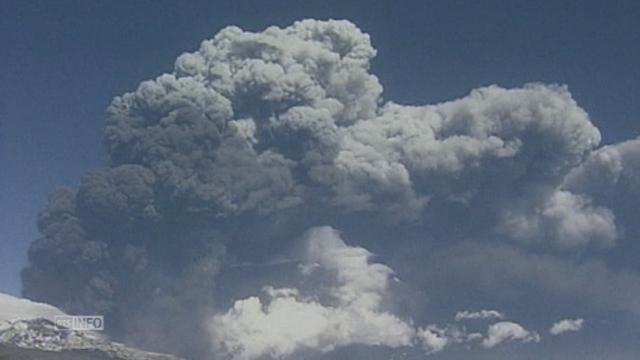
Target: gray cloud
255,137
610,177
278,100
569,220
496,268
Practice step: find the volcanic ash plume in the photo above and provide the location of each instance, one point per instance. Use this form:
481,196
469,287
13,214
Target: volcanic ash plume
255,137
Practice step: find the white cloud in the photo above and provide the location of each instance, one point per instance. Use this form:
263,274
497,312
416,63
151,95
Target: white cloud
482,314
287,321
566,325
508,331
347,311
435,339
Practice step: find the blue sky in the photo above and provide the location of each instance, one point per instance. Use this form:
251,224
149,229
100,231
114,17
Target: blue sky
64,61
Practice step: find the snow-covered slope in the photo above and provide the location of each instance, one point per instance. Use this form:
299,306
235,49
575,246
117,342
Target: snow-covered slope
28,332
13,308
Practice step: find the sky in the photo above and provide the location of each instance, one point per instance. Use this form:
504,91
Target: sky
65,61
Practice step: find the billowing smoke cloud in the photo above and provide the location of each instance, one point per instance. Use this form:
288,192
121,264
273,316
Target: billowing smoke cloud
289,321
566,325
256,137
261,122
611,178
570,219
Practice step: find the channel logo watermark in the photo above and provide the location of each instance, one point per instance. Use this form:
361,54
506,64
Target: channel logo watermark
80,323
